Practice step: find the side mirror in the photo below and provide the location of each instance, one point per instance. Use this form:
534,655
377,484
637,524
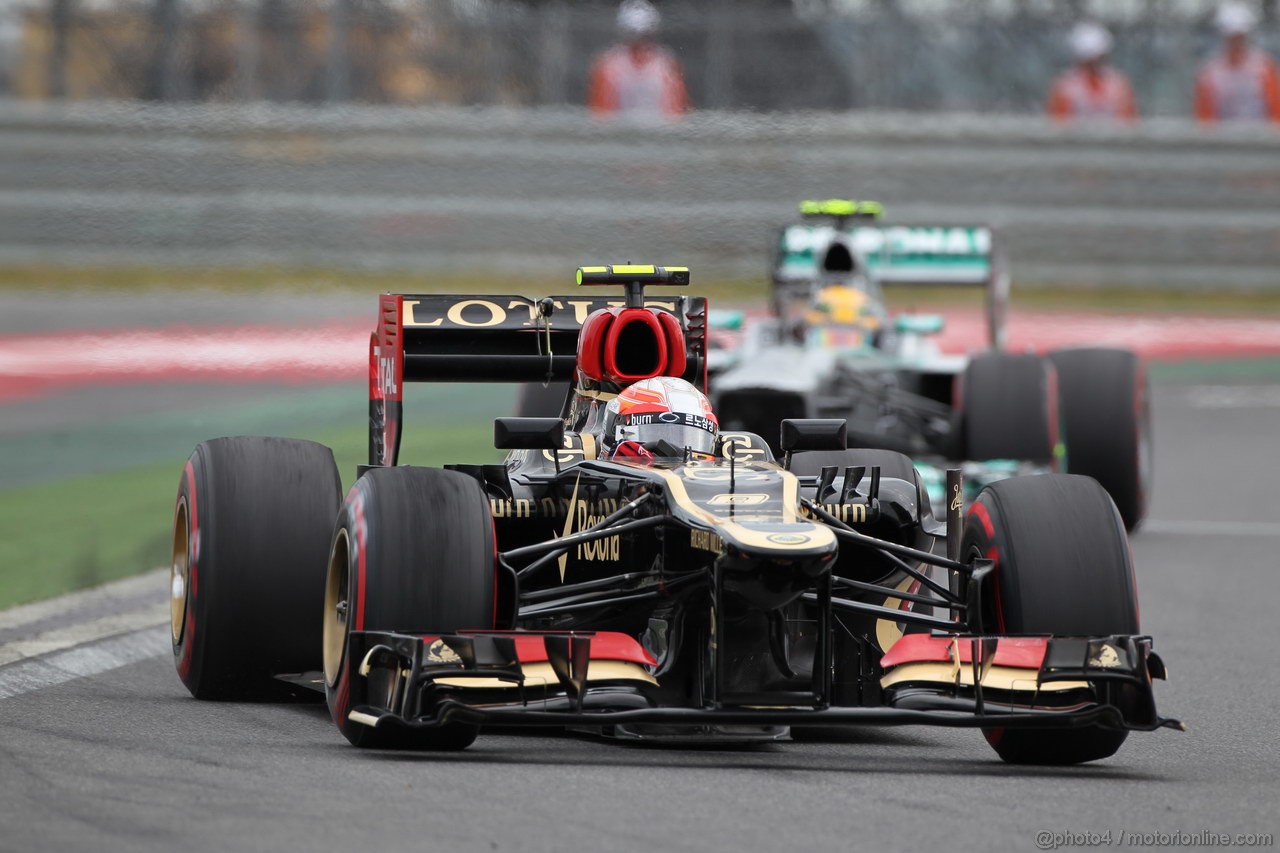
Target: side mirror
920,324
813,434
528,433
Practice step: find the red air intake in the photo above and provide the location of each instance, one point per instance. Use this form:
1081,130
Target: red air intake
625,345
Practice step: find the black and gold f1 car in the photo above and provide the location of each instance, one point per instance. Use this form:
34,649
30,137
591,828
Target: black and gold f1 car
710,596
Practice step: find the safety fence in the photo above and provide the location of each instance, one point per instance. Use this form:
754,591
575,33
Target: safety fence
1165,203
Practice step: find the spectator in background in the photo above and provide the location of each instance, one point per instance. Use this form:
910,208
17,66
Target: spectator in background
638,77
1091,89
1239,83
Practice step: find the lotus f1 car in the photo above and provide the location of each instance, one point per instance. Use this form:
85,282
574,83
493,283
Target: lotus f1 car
830,349
714,595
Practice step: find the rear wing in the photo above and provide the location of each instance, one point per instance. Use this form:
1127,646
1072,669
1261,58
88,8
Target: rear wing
468,338
921,255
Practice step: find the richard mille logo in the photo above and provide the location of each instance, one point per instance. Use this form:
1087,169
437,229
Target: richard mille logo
957,501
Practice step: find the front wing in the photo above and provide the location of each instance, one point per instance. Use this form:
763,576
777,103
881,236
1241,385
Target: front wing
602,679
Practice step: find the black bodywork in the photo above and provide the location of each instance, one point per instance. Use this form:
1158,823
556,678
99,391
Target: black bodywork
765,600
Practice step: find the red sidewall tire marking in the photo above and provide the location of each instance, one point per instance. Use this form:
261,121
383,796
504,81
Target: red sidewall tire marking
187,646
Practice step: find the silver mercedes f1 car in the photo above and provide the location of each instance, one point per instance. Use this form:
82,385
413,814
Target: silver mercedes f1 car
829,348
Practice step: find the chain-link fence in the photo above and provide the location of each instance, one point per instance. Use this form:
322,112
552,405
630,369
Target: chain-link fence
976,55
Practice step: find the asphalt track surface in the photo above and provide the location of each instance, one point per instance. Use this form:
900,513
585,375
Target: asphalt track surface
124,759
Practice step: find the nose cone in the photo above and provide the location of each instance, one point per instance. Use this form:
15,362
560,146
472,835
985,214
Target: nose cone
771,565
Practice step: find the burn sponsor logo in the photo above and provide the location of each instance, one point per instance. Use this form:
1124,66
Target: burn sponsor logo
686,419
511,507
555,508
847,513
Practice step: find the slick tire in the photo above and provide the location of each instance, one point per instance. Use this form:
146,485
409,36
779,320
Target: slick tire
413,551
1063,567
1106,420
535,401
250,537
1010,409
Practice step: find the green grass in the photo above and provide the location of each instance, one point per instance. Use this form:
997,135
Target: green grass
68,534
56,537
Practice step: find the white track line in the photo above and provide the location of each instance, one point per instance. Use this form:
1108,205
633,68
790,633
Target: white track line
58,639
80,648
84,661
1211,528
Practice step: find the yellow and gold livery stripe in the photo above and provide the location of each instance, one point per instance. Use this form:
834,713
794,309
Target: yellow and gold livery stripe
819,536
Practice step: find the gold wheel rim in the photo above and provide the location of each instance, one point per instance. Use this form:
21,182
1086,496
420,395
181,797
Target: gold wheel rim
180,572
336,607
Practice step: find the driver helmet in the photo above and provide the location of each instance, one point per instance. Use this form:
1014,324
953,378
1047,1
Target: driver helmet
664,408
844,317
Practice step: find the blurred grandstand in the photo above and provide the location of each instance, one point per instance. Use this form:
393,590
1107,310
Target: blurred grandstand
970,55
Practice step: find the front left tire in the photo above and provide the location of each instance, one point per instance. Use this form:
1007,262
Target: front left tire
1063,568
413,551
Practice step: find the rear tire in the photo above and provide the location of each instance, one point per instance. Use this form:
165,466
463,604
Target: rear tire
413,551
1106,419
251,530
1010,409
1063,567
